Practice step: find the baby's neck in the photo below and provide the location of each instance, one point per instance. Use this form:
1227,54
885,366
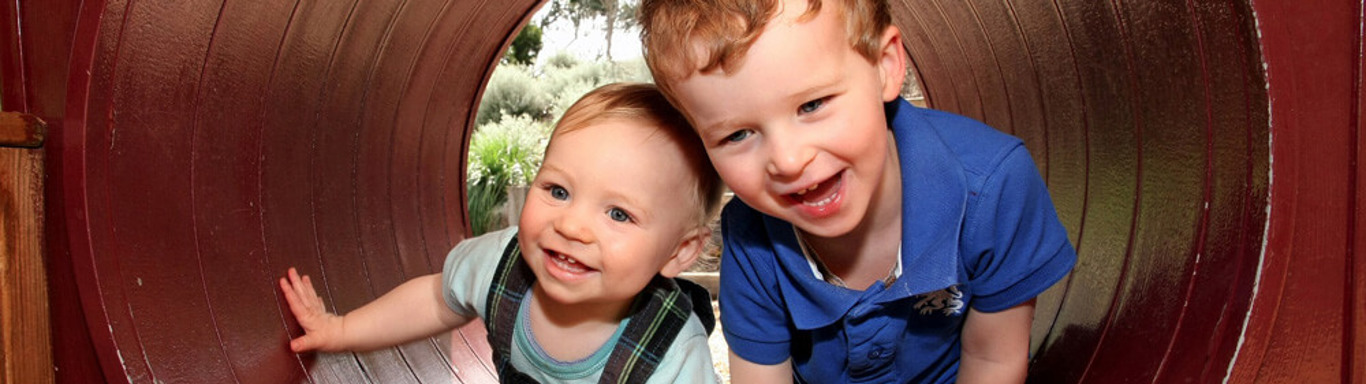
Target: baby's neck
569,332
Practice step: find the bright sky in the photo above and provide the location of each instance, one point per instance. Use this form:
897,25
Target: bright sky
590,42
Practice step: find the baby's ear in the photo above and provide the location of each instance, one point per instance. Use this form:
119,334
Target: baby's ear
687,252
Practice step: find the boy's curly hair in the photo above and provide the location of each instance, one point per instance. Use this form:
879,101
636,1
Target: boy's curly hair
685,36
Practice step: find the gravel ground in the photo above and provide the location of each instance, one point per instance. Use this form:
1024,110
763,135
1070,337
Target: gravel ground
719,351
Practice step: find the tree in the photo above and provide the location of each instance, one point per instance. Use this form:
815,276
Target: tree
578,11
525,46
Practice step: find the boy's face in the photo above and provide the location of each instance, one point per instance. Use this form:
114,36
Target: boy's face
798,130
610,208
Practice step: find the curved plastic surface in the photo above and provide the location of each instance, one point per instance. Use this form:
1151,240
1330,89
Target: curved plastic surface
201,147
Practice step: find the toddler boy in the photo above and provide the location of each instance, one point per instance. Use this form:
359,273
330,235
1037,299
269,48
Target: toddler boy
872,241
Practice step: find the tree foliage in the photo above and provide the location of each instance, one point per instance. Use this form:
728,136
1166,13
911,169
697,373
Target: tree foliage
617,14
525,47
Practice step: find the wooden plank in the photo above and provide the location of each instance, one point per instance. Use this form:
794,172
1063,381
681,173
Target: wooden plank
21,130
25,349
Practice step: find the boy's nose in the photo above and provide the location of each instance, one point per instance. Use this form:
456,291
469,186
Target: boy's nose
788,157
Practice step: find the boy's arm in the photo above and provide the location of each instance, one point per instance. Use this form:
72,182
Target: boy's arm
996,345
413,310
744,371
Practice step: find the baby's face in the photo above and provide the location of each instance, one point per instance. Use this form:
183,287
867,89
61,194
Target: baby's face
798,131
607,211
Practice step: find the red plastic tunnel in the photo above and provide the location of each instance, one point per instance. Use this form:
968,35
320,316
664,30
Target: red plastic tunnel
1203,154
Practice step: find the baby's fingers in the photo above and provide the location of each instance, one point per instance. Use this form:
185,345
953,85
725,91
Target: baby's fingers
303,289
299,293
303,344
290,297
310,293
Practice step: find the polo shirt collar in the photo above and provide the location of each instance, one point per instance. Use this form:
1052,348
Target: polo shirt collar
934,199
934,195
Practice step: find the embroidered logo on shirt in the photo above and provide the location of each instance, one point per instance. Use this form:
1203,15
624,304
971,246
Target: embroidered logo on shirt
948,301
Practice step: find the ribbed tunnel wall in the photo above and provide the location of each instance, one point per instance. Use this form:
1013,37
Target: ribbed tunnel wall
199,148
1149,122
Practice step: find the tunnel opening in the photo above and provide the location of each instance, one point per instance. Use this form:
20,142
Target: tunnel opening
201,148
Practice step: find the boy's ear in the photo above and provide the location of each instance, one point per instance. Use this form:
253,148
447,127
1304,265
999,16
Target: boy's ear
892,63
687,252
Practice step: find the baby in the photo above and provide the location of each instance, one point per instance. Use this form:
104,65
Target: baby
582,290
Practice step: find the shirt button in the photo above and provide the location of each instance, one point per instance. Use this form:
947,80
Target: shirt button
875,354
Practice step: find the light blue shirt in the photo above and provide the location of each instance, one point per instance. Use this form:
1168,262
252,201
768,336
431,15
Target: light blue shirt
466,278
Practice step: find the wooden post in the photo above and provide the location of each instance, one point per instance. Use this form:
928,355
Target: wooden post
21,130
25,333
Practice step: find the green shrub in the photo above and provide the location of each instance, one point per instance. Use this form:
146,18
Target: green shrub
561,59
503,154
512,91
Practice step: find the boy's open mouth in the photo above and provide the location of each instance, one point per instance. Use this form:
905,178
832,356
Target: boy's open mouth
821,194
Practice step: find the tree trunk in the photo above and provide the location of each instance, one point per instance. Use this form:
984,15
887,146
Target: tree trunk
611,10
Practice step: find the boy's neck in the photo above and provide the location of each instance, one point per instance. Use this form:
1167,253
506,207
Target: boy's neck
868,252
571,332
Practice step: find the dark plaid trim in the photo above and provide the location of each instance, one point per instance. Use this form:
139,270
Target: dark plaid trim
506,292
657,316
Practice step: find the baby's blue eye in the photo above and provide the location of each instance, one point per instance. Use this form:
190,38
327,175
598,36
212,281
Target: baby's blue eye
617,214
811,106
738,135
559,193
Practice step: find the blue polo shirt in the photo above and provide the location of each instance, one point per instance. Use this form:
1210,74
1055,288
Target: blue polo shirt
978,231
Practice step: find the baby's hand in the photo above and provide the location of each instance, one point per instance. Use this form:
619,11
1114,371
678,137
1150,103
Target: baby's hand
322,329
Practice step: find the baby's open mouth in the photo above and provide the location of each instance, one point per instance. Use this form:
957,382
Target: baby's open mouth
566,263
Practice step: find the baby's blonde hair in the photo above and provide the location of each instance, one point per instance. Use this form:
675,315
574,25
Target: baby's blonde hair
643,102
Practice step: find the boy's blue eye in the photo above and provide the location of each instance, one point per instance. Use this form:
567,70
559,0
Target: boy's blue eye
811,106
738,135
559,193
617,214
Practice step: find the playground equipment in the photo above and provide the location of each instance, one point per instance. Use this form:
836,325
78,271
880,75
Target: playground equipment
1204,155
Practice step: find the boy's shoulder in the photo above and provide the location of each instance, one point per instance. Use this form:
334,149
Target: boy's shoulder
975,146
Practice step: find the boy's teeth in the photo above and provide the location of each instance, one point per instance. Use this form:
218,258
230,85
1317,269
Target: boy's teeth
820,203
804,191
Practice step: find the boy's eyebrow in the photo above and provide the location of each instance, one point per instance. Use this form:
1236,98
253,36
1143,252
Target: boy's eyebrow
820,85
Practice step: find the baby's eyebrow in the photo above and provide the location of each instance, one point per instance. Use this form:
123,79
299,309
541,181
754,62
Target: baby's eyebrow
635,207
718,125
546,166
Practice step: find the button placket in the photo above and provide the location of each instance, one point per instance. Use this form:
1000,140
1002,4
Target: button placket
868,352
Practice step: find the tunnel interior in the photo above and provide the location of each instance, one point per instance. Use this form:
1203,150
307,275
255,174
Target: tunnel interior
204,147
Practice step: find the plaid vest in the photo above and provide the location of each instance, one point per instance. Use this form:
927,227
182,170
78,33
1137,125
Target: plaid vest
658,314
